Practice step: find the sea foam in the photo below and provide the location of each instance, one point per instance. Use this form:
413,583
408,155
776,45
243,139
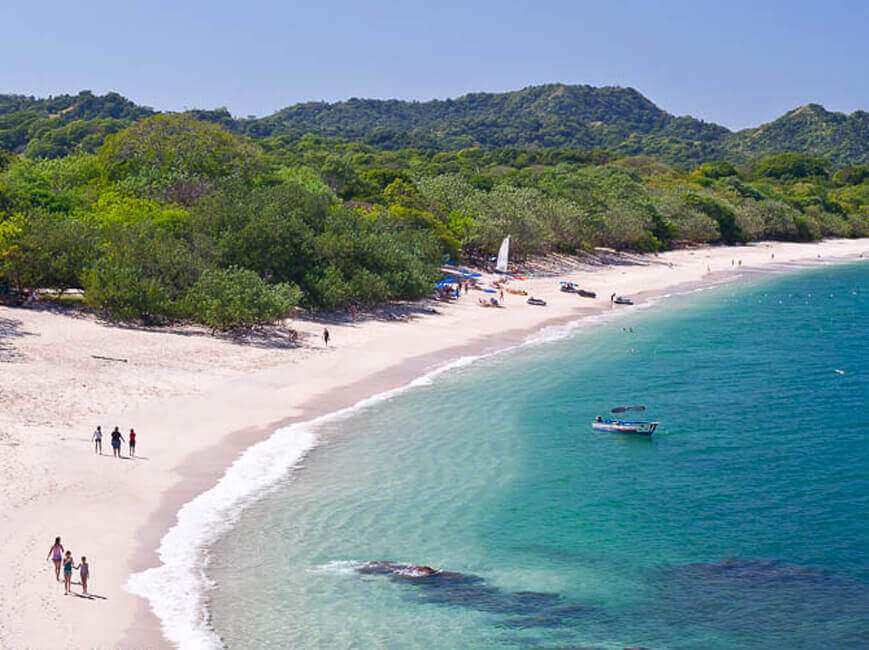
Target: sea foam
175,589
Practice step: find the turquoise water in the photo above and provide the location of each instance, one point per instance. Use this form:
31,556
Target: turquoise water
741,524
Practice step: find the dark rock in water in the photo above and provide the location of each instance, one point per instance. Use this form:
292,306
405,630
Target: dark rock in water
397,570
526,608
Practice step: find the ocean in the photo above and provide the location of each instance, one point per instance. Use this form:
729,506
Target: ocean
741,524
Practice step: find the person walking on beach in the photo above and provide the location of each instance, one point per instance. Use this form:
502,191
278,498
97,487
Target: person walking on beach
68,564
132,438
326,336
612,298
84,572
55,554
117,439
98,441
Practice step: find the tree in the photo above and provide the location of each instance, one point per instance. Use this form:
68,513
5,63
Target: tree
721,212
234,297
143,272
790,166
178,157
40,250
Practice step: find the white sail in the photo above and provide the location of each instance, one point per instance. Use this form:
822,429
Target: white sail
503,254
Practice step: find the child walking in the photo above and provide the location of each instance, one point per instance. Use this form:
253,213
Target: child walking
68,563
84,573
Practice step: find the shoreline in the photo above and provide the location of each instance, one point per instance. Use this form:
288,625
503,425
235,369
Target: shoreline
404,376
230,415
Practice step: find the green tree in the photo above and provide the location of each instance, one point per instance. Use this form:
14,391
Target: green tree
234,297
790,166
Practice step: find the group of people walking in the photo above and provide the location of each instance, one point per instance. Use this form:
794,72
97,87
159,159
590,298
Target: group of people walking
64,561
117,438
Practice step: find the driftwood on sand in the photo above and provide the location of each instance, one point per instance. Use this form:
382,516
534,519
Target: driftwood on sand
97,356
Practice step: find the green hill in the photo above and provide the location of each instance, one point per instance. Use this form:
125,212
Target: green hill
556,115
548,116
54,127
842,139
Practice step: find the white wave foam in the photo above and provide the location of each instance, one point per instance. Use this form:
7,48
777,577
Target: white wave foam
175,589
339,567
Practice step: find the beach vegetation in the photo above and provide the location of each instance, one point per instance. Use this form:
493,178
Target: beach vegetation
198,217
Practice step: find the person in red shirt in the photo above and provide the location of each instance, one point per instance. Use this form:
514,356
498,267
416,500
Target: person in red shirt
132,438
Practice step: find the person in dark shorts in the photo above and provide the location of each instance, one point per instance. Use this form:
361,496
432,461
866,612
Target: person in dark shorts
326,337
132,439
117,439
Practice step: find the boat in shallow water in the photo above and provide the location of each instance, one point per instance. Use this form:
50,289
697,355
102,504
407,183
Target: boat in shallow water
616,425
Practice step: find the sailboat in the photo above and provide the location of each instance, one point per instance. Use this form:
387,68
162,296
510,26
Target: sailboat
503,254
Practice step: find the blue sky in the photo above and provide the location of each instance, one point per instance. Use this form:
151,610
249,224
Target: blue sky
736,63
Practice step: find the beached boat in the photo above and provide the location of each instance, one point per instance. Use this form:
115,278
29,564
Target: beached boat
572,287
616,425
621,300
536,301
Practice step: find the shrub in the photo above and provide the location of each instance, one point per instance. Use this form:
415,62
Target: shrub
234,297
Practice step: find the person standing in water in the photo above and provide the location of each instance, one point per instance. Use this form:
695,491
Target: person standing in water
326,336
117,439
98,441
68,564
55,554
132,438
84,574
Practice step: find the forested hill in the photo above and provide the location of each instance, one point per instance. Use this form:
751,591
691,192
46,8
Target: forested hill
574,117
811,129
53,127
549,116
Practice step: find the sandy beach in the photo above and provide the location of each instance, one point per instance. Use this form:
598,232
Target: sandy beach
197,401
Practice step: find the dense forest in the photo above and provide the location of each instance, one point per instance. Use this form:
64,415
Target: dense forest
167,217
619,120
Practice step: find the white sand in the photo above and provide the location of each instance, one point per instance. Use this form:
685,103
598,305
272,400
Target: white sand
197,401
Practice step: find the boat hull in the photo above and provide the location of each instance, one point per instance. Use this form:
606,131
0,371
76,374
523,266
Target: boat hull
634,428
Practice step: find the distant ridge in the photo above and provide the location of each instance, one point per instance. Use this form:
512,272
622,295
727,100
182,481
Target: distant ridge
551,115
